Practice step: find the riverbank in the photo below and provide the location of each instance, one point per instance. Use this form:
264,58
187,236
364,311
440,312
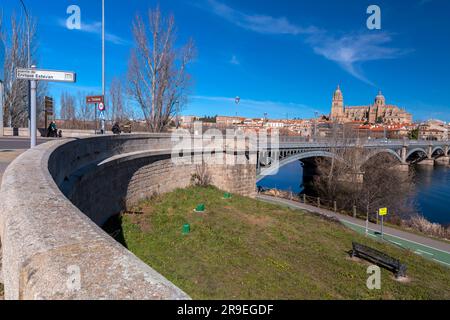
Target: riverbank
417,224
242,248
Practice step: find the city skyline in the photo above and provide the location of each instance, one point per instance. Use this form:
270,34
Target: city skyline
283,59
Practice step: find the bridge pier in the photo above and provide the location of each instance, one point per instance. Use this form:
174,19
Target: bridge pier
443,161
426,162
404,167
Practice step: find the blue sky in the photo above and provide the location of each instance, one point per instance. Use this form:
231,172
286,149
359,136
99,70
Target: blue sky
281,57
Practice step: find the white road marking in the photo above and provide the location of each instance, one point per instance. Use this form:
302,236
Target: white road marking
424,252
420,244
357,225
448,264
397,243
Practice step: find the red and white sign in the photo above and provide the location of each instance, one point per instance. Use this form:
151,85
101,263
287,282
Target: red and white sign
101,106
94,99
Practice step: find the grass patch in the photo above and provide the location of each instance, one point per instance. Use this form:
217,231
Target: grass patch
245,249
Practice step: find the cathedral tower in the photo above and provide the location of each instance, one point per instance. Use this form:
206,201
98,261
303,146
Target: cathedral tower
337,107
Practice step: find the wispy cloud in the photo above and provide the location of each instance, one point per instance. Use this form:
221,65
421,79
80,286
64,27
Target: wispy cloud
348,51
95,28
257,22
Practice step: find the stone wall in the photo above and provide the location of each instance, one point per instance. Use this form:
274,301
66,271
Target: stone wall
45,236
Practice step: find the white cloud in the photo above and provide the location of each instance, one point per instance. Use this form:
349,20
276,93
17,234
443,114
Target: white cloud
256,22
95,28
348,51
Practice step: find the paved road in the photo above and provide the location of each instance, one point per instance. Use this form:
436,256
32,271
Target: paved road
428,248
18,143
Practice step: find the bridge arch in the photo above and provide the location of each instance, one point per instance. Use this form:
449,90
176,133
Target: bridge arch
381,151
272,170
438,149
413,151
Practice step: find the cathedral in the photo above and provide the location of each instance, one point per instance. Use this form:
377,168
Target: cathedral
378,112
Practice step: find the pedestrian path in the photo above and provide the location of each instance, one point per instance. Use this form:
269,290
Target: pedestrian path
435,250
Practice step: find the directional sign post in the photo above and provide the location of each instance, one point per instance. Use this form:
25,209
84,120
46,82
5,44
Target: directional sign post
382,212
99,102
48,110
34,75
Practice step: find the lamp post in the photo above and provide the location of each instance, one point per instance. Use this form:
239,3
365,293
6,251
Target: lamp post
28,61
102,113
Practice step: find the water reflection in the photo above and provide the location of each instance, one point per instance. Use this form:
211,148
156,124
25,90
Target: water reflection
431,192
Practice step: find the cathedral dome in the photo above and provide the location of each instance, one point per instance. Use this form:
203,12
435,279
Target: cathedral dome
338,94
380,99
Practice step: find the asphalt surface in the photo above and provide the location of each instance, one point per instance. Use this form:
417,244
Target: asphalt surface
435,250
18,143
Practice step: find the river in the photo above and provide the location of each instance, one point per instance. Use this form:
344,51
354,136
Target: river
431,191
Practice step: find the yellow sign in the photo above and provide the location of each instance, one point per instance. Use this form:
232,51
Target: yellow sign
383,212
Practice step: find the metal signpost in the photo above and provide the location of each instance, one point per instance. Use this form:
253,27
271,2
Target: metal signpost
101,108
99,102
48,110
382,212
34,75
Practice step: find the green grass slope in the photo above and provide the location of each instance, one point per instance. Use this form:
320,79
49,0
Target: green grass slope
245,249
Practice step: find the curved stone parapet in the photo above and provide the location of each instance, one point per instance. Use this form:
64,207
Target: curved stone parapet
55,197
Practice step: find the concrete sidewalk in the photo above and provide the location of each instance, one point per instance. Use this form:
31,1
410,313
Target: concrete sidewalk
6,157
435,250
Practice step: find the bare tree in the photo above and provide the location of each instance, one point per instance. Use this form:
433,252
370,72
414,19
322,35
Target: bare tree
357,179
157,72
117,100
85,112
16,91
68,107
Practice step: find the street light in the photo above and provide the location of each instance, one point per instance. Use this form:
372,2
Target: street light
102,114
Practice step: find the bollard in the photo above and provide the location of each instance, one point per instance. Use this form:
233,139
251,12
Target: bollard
304,198
227,196
318,202
335,206
200,208
354,211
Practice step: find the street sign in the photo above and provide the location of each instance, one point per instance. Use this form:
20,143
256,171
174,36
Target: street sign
382,212
48,104
45,75
95,99
101,106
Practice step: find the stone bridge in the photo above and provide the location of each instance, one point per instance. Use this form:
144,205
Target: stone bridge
405,151
55,198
